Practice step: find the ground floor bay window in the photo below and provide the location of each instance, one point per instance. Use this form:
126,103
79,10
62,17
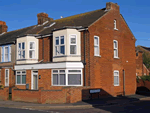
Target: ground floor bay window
67,77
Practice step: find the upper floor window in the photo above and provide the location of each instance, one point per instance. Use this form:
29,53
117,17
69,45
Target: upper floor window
32,50
116,78
21,50
6,53
96,46
115,24
115,42
73,44
59,46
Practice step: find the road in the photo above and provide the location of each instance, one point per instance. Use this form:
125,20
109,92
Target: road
140,106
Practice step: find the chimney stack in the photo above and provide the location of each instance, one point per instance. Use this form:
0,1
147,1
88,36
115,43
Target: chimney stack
3,27
112,6
43,17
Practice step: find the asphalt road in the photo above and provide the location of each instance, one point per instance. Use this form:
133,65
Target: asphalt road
135,107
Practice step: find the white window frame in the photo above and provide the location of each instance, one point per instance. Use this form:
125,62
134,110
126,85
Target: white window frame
20,77
32,50
66,75
72,44
96,45
117,76
21,50
7,54
8,77
116,48
115,24
2,54
59,45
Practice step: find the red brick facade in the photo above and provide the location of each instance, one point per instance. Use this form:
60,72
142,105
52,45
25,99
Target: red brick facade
98,70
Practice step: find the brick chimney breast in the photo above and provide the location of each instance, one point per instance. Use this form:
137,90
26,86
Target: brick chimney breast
112,6
3,27
43,17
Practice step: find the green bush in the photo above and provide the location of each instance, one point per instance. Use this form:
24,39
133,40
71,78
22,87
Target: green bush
145,77
137,78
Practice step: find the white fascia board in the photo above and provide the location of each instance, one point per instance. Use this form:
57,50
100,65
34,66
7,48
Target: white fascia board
72,65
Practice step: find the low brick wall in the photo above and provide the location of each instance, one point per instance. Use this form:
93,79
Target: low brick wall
4,93
64,95
143,83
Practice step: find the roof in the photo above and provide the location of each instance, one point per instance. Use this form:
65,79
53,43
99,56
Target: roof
84,20
146,48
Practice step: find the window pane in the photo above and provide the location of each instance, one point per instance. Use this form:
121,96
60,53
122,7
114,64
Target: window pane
96,50
6,50
116,80
6,57
31,53
23,79
55,79
62,49
57,40
19,45
19,54
116,73
72,49
23,54
23,72
74,79
74,70
56,50
18,79
62,39
73,39
115,53
115,44
32,45
23,45
6,73
62,79
55,71
62,71
95,40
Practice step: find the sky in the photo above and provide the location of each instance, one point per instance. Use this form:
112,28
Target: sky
23,13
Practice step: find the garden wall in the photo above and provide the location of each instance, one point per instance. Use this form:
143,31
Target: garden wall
4,93
143,83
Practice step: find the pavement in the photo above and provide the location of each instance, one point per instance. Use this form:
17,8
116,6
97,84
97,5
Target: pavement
79,105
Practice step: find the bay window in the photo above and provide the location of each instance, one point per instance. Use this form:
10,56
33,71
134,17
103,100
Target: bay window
67,77
20,77
59,46
32,50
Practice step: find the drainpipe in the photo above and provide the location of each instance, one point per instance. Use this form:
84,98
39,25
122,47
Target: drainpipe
84,63
123,82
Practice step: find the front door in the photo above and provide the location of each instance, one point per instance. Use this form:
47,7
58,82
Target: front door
35,80
6,77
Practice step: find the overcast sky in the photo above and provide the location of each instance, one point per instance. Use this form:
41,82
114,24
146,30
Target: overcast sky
23,13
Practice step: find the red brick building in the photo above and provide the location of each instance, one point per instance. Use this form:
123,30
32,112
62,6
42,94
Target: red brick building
93,50
141,69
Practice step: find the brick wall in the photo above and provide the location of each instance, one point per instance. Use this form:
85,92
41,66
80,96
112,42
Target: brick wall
4,93
139,64
101,68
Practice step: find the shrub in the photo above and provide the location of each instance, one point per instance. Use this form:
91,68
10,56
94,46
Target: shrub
145,77
137,78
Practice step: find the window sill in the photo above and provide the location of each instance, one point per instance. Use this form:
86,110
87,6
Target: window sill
97,55
66,85
116,57
115,29
116,85
20,84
